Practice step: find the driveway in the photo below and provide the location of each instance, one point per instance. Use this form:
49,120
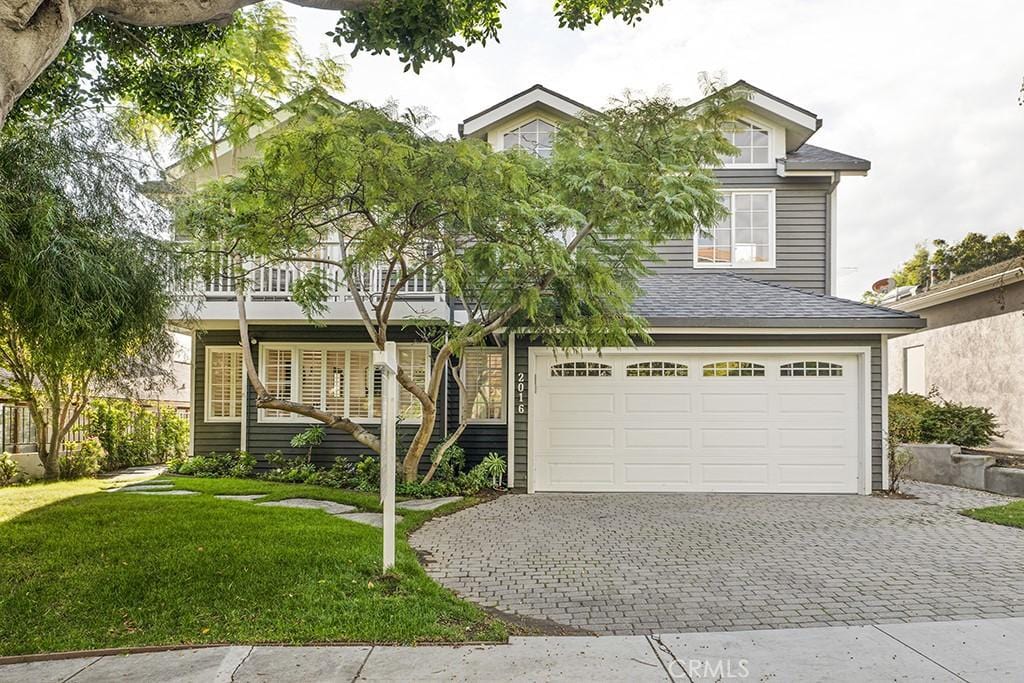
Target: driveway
656,563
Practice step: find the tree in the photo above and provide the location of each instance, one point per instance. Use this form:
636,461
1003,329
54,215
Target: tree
554,247
82,298
34,33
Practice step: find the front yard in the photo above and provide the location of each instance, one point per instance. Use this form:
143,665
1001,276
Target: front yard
1011,514
87,569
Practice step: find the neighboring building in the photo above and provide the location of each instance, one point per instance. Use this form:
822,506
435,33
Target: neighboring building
973,348
760,380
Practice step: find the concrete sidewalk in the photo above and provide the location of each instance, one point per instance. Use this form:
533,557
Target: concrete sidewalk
982,651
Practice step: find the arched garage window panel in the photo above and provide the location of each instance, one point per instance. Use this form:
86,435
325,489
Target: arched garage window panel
733,368
656,368
581,369
811,368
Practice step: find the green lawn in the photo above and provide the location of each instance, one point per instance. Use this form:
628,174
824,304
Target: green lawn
1011,514
85,569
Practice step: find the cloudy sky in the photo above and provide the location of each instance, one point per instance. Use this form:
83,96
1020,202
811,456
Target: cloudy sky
926,90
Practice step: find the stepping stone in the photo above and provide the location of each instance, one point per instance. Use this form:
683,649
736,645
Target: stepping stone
371,518
245,497
328,506
148,487
175,492
426,503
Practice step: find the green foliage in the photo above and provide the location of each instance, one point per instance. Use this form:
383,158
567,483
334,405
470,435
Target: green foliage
8,469
930,419
495,467
133,436
367,475
166,71
422,31
973,252
959,424
452,464
81,459
238,464
292,470
309,439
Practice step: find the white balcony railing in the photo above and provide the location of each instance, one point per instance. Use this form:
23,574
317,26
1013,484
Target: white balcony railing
274,282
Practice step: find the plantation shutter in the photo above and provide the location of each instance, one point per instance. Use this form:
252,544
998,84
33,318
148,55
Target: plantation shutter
484,376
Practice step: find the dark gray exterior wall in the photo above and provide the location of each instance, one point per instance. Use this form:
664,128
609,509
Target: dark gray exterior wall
801,231
975,307
263,438
522,366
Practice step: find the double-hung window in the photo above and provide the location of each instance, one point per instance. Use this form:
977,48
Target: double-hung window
483,374
223,396
337,378
743,239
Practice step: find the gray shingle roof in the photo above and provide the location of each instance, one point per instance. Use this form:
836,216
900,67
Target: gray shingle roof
730,300
812,158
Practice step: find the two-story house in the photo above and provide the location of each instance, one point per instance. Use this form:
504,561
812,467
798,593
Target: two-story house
760,380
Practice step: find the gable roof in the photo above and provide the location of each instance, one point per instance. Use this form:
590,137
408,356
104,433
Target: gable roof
812,158
731,300
800,123
981,280
535,96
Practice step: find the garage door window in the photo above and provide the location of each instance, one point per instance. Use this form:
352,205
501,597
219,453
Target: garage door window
733,368
581,369
656,368
811,368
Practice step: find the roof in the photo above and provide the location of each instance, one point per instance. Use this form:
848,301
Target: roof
800,124
702,299
535,95
981,280
812,158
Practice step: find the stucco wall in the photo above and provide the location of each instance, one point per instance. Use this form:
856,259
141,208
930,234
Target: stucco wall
980,362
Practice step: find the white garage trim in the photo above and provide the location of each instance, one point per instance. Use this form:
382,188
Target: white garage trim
863,386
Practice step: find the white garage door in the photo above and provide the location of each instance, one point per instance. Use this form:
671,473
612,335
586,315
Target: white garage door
779,422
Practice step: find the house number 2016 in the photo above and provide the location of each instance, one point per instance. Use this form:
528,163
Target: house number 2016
521,393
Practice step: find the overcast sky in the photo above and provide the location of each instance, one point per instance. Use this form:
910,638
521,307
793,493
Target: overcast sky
926,90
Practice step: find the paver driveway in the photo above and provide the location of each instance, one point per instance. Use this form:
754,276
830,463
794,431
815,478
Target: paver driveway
645,563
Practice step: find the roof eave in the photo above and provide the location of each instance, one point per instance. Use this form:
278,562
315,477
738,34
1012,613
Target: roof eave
831,324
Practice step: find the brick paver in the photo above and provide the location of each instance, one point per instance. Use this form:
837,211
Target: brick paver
646,563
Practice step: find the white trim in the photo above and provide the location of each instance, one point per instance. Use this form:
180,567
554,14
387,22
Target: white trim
833,233
504,387
783,331
209,350
863,354
772,132
884,356
192,415
243,437
297,347
510,407
531,97
518,123
787,112
927,299
770,191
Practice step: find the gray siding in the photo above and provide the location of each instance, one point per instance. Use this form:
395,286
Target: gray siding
264,438
801,232
522,365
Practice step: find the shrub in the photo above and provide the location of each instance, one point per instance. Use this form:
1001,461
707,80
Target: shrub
309,439
238,464
367,475
340,475
958,424
905,414
290,470
81,458
133,436
452,464
8,469
494,466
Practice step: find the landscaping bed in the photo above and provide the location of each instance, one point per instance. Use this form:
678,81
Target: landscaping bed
101,570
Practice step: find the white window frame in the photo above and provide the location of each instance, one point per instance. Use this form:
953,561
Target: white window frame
296,349
210,350
520,124
770,163
504,386
732,265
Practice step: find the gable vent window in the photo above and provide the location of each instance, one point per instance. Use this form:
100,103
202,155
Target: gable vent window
656,368
751,143
743,239
811,368
733,368
535,137
581,369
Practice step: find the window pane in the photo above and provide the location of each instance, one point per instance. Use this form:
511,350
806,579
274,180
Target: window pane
310,378
759,156
741,202
278,377
334,399
534,137
359,386
759,202
484,377
759,219
413,360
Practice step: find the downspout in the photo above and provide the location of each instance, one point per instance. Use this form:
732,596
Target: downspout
832,275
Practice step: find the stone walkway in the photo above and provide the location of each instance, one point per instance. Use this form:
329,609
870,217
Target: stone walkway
655,563
975,651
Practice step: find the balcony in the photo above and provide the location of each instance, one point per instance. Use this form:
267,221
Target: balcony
270,286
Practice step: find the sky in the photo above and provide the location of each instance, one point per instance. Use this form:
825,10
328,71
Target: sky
926,90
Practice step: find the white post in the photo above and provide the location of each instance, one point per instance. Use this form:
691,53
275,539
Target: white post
387,360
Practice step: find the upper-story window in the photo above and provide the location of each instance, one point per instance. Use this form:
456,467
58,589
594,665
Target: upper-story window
743,239
752,143
535,137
